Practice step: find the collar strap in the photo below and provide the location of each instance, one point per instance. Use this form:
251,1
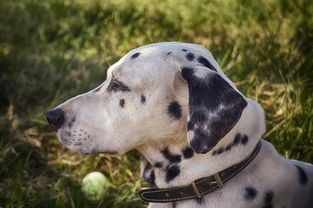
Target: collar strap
198,188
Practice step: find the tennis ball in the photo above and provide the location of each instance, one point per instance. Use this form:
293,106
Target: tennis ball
94,186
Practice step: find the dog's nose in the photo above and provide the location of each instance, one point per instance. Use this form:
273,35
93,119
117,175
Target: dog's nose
55,118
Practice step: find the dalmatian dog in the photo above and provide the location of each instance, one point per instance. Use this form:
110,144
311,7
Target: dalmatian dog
172,102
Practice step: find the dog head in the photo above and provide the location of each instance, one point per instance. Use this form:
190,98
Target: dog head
154,92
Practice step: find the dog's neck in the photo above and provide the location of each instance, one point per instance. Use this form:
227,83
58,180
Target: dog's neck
171,162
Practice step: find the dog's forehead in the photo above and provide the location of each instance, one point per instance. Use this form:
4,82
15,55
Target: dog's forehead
149,61
162,60
146,56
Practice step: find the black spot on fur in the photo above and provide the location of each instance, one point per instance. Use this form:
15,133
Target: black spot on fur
116,85
149,175
190,126
158,165
174,205
174,109
244,139
199,141
206,63
190,56
184,50
152,179
250,193
228,147
187,73
188,152
239,139
303,179
168,53
148,167
122,103
170,157
171,173
143,99
268,199
206,96
199,201
220,150
198,118
135,55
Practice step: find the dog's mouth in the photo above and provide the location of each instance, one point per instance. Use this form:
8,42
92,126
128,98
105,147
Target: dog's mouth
95,151
109,152
78,141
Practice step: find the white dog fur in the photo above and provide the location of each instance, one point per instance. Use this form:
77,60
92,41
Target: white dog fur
145,104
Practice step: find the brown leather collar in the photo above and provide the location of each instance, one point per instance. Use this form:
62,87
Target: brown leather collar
198,188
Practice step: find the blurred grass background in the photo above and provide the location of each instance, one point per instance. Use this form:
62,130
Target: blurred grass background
54,49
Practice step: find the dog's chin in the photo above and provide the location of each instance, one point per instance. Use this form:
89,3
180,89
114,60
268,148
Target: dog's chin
80,146
109,152
95,152
92,151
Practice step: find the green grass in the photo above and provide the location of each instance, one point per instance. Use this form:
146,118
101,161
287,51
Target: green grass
54,49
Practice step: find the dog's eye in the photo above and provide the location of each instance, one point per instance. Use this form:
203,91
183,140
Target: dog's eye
116,85
113,85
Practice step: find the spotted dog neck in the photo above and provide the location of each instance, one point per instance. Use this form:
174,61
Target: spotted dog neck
171,162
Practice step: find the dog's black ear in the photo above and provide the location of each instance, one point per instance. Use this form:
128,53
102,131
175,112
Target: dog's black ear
214,107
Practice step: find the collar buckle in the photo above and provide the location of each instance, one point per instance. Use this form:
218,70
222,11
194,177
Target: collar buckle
218,181
196,190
